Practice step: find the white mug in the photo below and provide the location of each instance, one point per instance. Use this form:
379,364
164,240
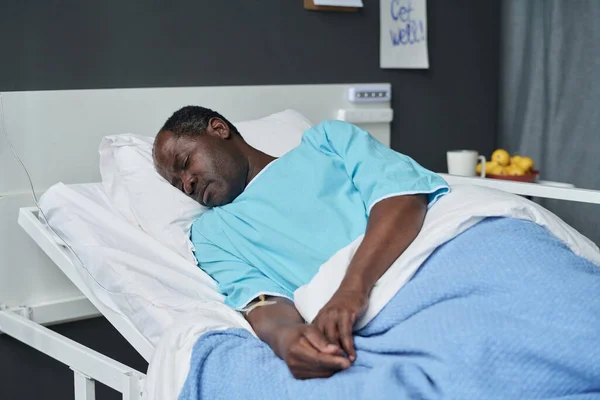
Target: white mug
464,162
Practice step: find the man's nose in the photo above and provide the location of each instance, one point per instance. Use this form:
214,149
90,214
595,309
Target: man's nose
189,183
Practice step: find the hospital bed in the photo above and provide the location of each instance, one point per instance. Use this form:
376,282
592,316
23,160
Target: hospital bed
26,321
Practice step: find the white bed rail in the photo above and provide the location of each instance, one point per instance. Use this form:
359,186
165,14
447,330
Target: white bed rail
80,309
58,311
26,324
88,365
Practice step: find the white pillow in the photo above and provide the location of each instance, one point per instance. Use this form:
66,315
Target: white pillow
275,134
144,198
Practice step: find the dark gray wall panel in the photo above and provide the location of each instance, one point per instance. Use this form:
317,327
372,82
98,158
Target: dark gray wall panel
108,44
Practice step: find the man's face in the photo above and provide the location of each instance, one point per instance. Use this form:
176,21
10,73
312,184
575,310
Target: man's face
208,167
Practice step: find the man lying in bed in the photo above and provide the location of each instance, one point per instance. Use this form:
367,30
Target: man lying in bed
275,221
506,309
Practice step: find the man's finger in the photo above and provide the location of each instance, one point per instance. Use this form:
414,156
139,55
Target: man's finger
307,373
331,331
317,361
320,323
319,342
311,374
328,362
345,332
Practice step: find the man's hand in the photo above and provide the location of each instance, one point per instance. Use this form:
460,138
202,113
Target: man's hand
308,354
305,349
338,316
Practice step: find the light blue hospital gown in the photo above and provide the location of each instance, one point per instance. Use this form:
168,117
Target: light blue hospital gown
301,209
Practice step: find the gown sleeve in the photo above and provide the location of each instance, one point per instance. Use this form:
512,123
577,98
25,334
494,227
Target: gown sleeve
238,281
377,171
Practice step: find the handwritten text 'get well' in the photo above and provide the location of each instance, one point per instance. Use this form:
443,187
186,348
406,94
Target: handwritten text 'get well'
408,31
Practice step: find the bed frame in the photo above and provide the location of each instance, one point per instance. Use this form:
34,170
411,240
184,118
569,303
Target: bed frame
27,320
26,324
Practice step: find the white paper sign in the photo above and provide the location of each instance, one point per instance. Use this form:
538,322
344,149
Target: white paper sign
404,34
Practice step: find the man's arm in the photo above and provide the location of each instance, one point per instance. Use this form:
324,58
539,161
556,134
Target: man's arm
378,172
303,347
392,226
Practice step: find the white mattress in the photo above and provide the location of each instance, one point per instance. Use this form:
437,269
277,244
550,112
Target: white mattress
130,272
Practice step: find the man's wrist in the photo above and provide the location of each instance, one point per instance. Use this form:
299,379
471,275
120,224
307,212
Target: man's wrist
281,342
356,283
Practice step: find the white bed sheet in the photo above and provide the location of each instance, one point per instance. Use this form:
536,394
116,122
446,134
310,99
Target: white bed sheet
129,271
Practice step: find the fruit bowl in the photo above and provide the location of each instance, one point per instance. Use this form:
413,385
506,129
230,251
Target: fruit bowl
528,178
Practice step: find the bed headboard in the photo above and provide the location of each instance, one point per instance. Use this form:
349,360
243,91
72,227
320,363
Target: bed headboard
57,134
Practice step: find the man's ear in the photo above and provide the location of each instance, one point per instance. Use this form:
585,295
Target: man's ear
218,127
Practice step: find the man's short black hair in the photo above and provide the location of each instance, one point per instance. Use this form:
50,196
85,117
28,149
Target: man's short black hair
193,121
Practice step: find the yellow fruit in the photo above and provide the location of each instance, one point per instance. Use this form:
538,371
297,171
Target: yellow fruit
514,170
515,159
501,157
494,169
489,166
525,163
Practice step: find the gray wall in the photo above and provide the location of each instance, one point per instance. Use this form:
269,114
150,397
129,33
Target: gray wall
113,43
118,44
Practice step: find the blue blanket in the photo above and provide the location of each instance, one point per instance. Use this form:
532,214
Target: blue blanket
503,311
